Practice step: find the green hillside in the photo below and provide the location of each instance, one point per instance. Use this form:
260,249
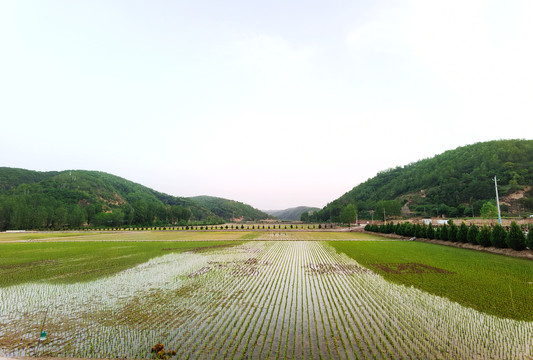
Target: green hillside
229,209
292,214
75,198
455,183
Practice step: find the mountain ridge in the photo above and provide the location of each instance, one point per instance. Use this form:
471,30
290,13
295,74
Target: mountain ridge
291,214
455,183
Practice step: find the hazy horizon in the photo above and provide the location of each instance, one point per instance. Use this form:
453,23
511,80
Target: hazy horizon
243,100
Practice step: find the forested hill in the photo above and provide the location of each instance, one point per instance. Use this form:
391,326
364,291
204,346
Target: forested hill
292,213
456,183
229,209
70,199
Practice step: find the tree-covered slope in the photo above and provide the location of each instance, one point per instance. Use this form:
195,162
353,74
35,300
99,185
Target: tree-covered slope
455,183
73,198
229,209
292,214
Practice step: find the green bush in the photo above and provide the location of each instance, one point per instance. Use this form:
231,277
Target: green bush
483,236
452,231
515,237
529,237
472,234
444,232
498,236
438,233
462,233
430,232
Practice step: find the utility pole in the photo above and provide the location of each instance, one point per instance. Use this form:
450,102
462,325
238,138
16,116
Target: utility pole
497,200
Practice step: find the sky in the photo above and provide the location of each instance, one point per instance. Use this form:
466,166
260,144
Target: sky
273,103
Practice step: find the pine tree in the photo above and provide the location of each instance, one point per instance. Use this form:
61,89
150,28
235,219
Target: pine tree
462,233
437,233
472,234
444,232
498,236
529,237
430,232
483,236
515,237
452,231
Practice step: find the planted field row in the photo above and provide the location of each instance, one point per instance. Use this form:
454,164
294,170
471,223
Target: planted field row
283,299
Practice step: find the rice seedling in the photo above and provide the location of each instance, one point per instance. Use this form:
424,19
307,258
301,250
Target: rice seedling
260,299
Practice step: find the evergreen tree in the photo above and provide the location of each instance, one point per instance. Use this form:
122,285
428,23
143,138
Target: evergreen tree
483,236
498,236
472,234
515,237
437,233
444,232
462,233
452,231
430,232
418,231
529,237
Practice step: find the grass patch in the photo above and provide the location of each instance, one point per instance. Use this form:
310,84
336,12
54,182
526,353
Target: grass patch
125,236
495,284
69,262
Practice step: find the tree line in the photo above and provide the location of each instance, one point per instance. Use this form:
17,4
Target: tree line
497,236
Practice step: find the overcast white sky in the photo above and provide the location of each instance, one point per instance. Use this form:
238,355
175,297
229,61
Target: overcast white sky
272,103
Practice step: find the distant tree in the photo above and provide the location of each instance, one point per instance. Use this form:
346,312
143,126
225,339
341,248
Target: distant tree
483,236
489,210
497,237
462,233
348,214
515,239
472,234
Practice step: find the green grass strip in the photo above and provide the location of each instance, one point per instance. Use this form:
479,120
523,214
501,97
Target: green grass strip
70,262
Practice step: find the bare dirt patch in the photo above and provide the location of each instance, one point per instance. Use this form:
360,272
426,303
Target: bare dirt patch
343,269
28,264
410,268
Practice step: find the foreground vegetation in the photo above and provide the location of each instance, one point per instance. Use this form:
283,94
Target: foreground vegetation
119,294
495,284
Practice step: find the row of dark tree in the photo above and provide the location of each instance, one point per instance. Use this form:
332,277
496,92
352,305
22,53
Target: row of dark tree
497,236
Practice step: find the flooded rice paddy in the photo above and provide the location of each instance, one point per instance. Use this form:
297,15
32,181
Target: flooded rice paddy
264,299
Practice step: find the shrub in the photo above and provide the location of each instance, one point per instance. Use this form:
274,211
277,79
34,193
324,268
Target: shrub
515,237
452,231
438,233
498,236
462,233
483,236
529,237
444,232
472,234
430,232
